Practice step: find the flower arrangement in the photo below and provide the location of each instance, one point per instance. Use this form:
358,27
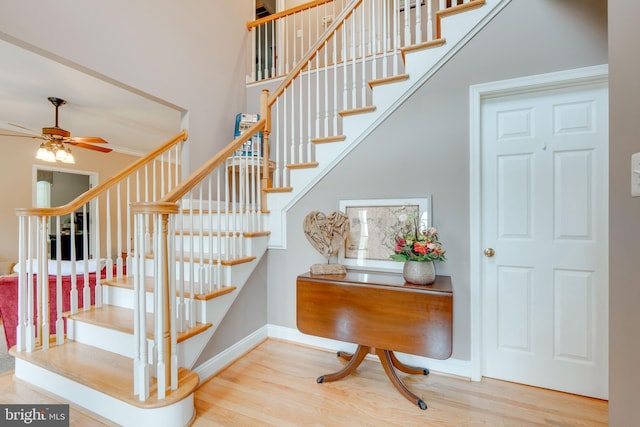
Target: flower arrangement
414,243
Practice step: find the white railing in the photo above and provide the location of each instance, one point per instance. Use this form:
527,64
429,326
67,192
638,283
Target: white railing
199,230
100,236
280,40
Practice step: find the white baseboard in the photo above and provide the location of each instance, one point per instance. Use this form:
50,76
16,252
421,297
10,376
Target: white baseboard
211,367
221,360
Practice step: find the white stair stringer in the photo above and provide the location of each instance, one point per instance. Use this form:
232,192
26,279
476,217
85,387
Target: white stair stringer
180,413
420,65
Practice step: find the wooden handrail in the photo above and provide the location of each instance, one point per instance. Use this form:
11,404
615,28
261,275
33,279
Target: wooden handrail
96,191
313,50
203,171
286,12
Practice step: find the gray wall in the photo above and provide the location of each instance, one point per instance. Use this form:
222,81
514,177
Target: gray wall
67,186
624,214
424,147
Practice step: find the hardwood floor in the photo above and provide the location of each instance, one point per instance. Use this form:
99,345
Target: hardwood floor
274,385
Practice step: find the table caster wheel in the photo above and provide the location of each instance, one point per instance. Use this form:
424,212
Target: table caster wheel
422,404
425,371
320,379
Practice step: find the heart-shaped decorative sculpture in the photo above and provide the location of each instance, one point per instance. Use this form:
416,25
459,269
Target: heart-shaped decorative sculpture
326,234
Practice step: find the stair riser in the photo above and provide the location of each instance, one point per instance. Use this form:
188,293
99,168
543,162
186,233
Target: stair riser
122,343
210,245
236,222
201,273
205,245
123,297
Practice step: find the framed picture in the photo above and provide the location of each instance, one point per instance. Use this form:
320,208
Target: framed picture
373,225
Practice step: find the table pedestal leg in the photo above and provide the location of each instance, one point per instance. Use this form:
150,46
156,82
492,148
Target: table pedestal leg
386,357
388,360
354,361
406,369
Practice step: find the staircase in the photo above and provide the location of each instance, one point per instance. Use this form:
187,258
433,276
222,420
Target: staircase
177,253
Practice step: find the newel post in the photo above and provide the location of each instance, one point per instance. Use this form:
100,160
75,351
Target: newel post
265,182
165,344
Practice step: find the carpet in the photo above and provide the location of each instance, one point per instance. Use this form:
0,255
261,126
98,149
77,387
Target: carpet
7,362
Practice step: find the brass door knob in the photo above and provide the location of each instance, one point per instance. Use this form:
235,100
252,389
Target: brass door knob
489,252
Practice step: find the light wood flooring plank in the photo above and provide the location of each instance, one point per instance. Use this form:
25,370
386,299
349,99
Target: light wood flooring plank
275,385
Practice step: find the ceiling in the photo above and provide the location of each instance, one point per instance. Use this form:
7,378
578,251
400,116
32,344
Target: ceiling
129,121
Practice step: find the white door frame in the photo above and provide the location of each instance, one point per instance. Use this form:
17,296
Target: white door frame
477,93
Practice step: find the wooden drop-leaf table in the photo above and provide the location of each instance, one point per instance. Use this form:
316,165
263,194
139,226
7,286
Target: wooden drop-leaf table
381,313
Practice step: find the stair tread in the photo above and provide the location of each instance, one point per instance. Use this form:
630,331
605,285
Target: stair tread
278,190
121,319
208,233
359,110
387,80
328,139
424,45
127,282
309,165
106,372
208,258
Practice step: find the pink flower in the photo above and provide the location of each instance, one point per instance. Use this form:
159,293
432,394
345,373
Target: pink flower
419,248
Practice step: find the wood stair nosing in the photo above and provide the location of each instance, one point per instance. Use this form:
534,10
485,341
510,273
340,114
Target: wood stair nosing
421,46
210,259
359,110
309,165
278,190
127,283
328,139
214,233
214,261
121,319
105,372
186,212
388,80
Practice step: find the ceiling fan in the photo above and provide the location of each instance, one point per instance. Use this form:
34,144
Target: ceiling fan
53,148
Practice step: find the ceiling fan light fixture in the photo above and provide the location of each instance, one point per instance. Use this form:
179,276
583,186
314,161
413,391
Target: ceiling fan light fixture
68,157
45,153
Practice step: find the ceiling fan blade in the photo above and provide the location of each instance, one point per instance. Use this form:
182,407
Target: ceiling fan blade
90,139
91,147
12,127
17,135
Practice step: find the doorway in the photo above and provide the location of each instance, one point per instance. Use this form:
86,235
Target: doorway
540,240
56,187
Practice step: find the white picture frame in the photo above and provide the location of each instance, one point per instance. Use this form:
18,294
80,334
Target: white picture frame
372,222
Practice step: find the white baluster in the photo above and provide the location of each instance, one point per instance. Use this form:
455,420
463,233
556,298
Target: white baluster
59,320
363,53
43,285
108,255
301,143
219,230
119,261
97,254
418,23
74,277
86,289
30,333
254,53
334,84
22,283
129,231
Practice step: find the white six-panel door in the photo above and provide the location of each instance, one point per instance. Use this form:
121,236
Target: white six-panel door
544,216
